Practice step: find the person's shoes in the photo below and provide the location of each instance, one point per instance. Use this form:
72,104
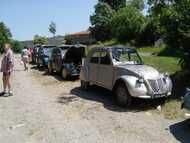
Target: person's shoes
6,94
10,93
2,93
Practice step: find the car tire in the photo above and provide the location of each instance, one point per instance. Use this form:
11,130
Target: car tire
38,65
50,70
84,84
64,73
122,95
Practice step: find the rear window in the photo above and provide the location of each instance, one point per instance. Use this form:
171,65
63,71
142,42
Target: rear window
95,57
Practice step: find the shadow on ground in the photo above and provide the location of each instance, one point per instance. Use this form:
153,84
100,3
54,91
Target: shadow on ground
105,97
57,76
181,131
19,70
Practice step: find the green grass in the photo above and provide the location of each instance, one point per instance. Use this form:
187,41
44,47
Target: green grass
172,109
153,50
163,64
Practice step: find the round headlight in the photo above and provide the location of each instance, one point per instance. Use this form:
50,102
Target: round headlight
140,80
166,74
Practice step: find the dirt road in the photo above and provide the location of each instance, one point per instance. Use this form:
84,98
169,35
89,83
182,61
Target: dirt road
46,109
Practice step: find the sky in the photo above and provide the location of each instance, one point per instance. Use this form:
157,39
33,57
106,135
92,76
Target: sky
26,18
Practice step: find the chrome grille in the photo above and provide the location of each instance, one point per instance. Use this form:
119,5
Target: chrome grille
156,85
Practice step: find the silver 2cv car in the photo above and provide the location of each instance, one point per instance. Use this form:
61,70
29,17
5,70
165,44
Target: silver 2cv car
121,70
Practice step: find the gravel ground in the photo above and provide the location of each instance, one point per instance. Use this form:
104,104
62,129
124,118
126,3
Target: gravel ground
45,109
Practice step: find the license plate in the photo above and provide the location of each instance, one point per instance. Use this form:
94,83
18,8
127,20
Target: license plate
159,95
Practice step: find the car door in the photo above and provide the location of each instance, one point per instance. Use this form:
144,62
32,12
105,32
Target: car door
56,60
59,60
93,66
40,52
54,56
105,68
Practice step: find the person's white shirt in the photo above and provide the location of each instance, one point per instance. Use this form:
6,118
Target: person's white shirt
24,53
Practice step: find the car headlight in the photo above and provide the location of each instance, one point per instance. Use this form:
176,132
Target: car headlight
140,80
165,77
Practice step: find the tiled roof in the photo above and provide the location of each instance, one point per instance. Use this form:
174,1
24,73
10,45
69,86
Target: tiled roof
80,33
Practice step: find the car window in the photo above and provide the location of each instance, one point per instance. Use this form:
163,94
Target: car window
40,51
58,52
95,57
47,51
54,53
121,55
105,58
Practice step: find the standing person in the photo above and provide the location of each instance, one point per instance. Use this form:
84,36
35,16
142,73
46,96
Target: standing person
30,50
25,57
7,69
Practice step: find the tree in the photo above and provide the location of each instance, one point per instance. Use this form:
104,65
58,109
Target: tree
17,46
174,18
100,21
182,28
150,33
52,28
5,35
39,40
115,4
139,4
127,24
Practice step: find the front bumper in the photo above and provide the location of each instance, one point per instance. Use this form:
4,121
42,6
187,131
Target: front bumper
145,90
154,96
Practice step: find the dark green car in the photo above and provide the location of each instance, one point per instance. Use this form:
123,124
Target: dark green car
66,60
44,53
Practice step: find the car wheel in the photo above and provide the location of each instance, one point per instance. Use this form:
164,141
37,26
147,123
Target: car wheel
122,95
84,84
38,65
64,73
50,70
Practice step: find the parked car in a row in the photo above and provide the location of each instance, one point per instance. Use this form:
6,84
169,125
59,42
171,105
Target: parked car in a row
44,53
66,60
121,70
117,68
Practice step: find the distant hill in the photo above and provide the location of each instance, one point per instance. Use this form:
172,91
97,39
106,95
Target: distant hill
57,40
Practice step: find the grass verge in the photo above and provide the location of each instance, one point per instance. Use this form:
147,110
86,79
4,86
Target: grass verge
152,50
163,64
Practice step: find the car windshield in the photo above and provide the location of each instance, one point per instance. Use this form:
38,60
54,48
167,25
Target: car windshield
47,50
126,56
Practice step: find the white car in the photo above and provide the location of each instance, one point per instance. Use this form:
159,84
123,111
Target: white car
121,70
